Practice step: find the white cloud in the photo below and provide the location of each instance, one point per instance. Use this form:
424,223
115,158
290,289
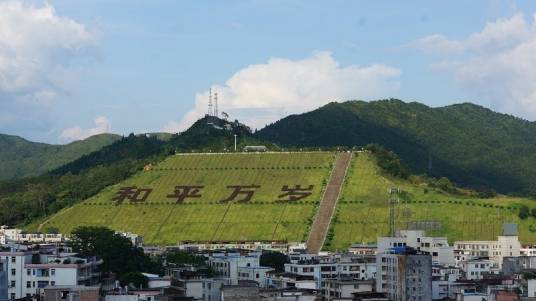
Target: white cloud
497,64
495,36
102,125
35,46
263,93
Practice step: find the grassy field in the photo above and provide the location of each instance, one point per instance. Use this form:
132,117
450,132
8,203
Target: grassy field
161,220
362,213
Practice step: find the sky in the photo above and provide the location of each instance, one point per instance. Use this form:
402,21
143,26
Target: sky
72,69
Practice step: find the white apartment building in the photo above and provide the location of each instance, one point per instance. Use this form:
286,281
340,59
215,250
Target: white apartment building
506,245
29,271
476,269
8,235
229,266
333,266
437,247
528,251
496,250
258,274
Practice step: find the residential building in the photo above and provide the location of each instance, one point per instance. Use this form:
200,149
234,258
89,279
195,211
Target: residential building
361,267
29,271
437,247
404,274
257,274
228,265
476,268
287,280
71,293
198,284
344,288
506,245
363,249
517,265
244,290
528,251
10,235
3,280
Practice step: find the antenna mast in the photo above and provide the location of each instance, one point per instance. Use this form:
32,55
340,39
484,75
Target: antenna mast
215,104
210,102
393,202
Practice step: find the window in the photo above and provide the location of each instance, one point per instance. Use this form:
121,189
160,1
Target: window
13,272
12,296
13,283
52,272
13,259
28,284
28,272
257,275
52,283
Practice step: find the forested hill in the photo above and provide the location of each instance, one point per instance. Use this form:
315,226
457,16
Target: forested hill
22,158
467,143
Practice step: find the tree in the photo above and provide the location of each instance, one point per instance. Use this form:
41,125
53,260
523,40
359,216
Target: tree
523,212
117,252
181,257
135,279
274,260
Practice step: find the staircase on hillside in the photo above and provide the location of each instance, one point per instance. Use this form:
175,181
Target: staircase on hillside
320,226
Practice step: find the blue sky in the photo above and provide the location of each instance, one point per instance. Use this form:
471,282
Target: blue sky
145,66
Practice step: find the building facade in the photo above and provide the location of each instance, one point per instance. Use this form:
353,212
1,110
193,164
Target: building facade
404,274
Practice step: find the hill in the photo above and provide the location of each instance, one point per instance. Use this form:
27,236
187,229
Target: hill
469,144
190,197
21,158
27,199
150,203
362,211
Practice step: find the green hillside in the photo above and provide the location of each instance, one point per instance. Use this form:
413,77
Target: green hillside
469,144
21,158
362,212
162,218
166,220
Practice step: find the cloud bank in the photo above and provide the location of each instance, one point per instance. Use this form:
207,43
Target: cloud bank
263,93
497,63
102,125
36,47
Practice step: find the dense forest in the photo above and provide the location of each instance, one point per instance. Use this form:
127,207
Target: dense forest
469,144
21,158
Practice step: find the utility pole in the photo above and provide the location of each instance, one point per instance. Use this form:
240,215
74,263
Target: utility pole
393,202
235,142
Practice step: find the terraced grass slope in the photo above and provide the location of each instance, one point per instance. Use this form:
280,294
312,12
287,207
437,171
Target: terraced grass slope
362,213
204,215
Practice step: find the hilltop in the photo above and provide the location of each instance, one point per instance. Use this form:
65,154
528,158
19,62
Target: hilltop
467,143
21,158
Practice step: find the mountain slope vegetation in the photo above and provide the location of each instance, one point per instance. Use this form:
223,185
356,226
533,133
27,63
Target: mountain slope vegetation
21,158
467,143
29,199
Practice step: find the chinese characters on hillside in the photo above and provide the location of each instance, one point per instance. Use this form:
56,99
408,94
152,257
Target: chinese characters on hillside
237,193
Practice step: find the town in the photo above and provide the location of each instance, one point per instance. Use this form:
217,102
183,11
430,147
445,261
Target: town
406,266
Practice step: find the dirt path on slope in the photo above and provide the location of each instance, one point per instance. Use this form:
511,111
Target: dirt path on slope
320,226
